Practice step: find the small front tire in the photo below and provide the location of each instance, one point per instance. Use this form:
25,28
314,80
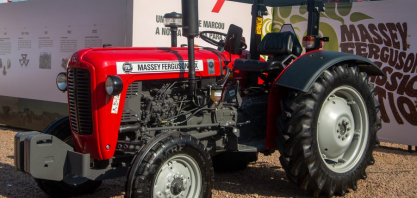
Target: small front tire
171,165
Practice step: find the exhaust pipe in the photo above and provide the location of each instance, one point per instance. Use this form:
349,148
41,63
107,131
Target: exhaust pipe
190,30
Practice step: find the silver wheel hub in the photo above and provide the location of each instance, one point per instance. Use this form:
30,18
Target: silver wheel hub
342,129
336,121
179,177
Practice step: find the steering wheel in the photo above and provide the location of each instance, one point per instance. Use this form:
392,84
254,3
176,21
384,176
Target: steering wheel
221,43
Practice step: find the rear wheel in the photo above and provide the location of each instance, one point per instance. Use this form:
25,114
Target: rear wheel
330,132
71,185
171,165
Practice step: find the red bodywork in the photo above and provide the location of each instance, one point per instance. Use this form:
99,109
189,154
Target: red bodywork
274,109
101,62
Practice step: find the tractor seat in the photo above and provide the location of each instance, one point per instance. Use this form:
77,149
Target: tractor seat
280,45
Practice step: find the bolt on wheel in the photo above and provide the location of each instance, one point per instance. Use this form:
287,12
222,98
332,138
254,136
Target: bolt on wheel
171,165
342,129
178,177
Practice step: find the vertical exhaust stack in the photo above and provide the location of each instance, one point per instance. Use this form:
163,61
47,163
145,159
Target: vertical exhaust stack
190,30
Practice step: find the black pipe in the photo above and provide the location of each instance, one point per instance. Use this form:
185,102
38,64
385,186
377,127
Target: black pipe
255,38
174,31
313,17
190,30
191,66
129,128
181,127
190,18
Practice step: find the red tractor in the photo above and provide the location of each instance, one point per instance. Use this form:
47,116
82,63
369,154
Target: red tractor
167,117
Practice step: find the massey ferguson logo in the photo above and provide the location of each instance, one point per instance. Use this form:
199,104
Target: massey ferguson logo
127,67
24,61
142,67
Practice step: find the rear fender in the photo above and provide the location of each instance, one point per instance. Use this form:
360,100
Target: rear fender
305,70
300,75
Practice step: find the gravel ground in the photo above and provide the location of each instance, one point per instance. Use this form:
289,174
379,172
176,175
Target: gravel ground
393,175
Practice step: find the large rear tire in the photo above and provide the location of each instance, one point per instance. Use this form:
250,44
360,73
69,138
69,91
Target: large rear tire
171,165
71,185
330,131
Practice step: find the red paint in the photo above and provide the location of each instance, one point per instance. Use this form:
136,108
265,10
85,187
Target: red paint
101,62
274,110
218,6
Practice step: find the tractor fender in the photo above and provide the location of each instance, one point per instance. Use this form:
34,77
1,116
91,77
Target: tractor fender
305,70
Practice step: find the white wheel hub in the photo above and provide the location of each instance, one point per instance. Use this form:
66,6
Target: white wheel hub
179,177
342,129
335,127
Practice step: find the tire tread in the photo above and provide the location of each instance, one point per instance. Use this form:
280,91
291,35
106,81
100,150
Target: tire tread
298,158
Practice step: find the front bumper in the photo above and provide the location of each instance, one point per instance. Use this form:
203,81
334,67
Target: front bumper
47,157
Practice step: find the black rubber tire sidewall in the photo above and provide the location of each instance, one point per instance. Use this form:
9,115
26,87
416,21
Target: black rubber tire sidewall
150,159
301,157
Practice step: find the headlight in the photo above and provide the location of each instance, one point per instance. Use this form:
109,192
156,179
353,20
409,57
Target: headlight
114,85
61,81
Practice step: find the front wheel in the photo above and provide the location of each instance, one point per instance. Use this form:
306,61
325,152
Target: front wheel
330,132
172,165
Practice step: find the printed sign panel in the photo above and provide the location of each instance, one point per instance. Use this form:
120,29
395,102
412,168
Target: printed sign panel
35,47
149,29
384,32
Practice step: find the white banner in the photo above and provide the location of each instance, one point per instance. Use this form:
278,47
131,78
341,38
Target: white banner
149,30
38,37
35,47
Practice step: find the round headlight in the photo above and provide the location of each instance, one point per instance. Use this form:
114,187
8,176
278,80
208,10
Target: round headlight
114,85
61,81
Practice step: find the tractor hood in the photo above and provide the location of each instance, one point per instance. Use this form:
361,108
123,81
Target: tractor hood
94,115
150,63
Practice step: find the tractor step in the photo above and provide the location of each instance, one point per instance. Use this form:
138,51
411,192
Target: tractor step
255,146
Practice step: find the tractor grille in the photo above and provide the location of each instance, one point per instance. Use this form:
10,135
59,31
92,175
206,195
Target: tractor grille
79,101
